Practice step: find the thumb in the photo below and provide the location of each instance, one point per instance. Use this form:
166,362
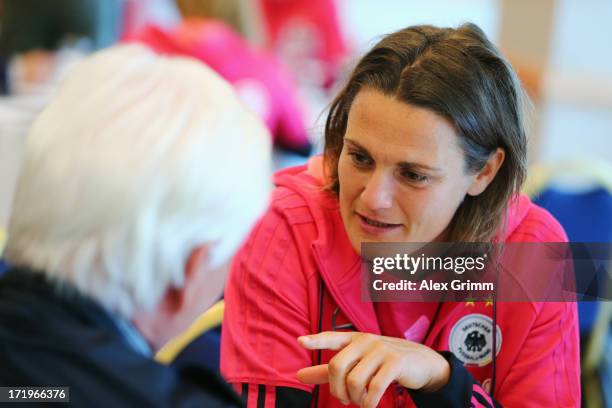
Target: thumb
314,375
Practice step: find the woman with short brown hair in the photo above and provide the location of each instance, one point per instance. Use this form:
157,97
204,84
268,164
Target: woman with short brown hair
425,143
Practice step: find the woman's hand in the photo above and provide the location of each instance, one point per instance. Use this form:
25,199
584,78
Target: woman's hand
367,364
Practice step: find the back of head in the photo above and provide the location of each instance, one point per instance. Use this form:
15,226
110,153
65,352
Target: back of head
460,75
137,160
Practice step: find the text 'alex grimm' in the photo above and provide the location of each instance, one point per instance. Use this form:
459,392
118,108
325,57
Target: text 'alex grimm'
429,285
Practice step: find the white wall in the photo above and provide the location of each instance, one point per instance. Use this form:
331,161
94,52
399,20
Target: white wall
577,114
575,118
366,20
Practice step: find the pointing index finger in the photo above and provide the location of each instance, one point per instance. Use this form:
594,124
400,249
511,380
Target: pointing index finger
327,340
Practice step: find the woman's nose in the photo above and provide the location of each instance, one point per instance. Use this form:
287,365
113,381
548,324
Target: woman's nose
378,192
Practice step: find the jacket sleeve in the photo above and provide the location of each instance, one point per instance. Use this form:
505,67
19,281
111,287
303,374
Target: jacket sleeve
266,301
546,372
461,391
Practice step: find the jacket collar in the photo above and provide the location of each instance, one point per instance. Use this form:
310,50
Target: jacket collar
340,268
338,263
54,294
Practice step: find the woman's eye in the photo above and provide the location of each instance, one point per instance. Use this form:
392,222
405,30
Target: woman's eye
414,177
359,158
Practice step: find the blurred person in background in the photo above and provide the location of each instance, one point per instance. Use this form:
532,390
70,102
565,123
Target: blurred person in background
140,179
308,37
426,142
39,42
207,32
39,38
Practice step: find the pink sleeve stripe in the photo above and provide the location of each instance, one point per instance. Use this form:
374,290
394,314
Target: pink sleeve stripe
476,403
252,396
270,401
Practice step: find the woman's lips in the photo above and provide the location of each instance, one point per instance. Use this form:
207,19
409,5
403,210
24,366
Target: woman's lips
375,227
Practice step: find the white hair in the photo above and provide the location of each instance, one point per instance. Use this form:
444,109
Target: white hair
137,160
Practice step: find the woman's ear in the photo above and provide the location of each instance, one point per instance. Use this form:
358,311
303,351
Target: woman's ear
486,175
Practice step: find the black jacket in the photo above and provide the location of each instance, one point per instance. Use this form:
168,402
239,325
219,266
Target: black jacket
52,337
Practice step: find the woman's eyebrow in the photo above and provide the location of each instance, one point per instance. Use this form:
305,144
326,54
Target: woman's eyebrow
402,165
412,166
355,144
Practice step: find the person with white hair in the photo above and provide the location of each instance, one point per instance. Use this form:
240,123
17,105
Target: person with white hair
140,179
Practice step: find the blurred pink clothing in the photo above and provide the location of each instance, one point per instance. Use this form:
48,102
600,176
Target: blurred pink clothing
263,85
315,25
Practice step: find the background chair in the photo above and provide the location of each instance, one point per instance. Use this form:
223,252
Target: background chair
200,344
579,194
3,264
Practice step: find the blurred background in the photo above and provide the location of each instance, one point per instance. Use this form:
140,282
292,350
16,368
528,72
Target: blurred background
287,58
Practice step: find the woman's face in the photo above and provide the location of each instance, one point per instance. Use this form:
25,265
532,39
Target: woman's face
401,171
